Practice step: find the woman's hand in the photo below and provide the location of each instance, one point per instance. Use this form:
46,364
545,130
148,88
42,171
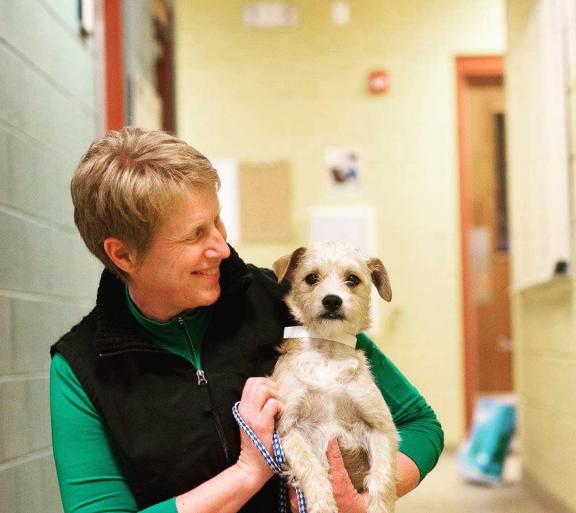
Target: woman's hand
259,407
347,497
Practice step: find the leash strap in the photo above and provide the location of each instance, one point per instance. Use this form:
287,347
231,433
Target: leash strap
276,462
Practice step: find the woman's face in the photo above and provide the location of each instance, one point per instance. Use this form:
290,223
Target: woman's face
181,270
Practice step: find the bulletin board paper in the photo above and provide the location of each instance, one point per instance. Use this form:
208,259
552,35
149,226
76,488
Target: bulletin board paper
265,201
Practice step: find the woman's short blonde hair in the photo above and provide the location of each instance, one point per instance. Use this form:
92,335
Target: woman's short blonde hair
127,182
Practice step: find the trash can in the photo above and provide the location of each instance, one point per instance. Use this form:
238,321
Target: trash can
481,457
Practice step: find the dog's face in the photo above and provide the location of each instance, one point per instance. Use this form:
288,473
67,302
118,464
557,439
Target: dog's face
330,290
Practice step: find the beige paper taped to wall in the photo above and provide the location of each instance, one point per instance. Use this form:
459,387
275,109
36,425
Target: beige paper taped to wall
265,201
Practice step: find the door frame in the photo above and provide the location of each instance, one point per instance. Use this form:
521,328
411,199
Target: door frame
114,65
467,69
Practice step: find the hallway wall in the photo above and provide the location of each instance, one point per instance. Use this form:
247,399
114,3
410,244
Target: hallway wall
47,119
544,314
288,93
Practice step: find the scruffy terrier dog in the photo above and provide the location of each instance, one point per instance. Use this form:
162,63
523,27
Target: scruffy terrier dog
325,384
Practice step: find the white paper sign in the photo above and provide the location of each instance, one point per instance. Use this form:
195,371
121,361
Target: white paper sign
270,15
354,225
229,197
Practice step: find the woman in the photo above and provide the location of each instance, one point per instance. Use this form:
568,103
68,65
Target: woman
142,387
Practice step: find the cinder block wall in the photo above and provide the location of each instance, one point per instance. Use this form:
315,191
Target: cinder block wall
544,315
47,278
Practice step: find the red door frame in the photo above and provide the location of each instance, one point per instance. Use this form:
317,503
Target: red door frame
467,69
114,65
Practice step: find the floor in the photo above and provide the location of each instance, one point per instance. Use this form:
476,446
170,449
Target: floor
444,492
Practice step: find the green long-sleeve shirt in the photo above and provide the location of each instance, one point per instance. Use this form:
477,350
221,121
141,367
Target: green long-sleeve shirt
89,477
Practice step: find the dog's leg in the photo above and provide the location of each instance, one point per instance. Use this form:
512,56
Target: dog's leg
381,479
310,475
382,442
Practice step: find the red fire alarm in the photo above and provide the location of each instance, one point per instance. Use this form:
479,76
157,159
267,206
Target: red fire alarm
379,81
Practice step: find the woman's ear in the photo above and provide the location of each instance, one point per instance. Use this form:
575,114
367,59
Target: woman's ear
122,255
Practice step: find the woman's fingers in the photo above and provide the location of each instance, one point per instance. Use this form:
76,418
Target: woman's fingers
293,499
272,409
347,498
338,474
259,406
257,391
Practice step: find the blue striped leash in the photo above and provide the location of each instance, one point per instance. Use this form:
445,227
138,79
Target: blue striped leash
275,463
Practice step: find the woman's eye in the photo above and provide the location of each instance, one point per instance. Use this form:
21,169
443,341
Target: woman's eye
195,236
352,280
311,279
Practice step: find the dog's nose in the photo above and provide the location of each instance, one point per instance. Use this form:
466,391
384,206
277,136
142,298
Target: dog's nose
332,302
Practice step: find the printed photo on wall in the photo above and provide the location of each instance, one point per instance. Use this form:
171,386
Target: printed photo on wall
343,170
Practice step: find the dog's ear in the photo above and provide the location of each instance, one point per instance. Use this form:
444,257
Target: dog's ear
380,278
284,266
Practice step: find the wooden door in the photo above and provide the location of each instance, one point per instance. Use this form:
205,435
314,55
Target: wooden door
488,234
484,233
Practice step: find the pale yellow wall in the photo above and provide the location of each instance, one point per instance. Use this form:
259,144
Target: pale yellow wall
544,320
289,93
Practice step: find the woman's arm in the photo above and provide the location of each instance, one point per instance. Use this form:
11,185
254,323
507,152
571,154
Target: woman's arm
421,435
89,477
91,481
408,475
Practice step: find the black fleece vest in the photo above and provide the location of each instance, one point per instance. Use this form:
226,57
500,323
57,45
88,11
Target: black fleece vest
169,433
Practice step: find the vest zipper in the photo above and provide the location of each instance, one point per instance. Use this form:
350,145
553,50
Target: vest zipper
203,382
197,363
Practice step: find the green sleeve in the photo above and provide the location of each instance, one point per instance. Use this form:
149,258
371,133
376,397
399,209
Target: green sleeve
88,475
421,435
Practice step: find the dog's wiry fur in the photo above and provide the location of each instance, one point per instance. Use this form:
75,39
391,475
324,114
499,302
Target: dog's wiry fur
326,387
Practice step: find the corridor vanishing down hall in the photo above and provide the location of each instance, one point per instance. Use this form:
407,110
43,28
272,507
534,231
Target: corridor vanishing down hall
444,492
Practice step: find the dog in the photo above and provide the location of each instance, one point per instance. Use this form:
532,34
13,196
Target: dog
325,384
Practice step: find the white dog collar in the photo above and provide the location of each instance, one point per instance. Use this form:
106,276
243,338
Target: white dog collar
302,332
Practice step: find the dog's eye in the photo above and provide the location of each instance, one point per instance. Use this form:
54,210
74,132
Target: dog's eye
311,279
352,280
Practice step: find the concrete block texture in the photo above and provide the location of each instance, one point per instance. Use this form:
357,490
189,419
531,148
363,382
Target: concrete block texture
5,336
25,420
30,487
48,117
545,368
44,260
36,179
33,105
36,325
65,12
4,195
52,48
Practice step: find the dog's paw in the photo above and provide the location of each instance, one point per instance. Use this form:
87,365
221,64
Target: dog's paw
319,502
327,506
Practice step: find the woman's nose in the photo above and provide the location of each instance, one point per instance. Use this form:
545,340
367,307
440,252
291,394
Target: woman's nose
218,247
